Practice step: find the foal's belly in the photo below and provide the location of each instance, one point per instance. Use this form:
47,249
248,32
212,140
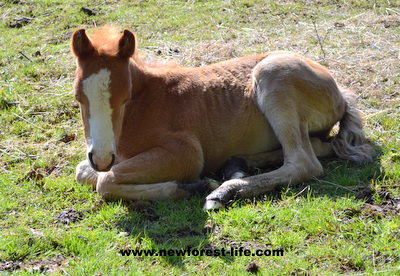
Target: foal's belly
259,137
247,137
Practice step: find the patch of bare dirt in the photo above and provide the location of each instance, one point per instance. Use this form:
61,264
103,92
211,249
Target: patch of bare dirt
10,266
20,22
389,207
68,216
230,243
67,137
252,267
386,208
35,266
88,11
34,175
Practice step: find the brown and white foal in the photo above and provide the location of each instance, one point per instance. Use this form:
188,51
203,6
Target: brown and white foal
151,129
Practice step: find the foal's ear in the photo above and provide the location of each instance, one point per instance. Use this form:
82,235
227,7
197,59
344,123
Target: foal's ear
127,44
80,44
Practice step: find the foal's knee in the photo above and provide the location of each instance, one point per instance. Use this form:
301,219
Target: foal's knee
305,167
314,169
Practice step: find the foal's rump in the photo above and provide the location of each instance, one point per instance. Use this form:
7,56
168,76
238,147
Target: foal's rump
297,97
310,93
306,90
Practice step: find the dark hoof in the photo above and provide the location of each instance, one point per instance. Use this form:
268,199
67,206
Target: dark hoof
234,168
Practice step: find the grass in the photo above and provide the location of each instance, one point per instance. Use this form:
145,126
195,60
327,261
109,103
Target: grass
345,222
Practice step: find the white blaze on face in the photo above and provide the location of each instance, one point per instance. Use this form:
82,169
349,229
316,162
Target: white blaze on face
101,134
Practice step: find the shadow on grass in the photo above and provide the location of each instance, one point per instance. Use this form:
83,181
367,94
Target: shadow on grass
345,178
169,225
341,178
179,225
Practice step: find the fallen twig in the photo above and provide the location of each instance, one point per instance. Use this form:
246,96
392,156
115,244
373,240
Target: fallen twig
319,39
22,53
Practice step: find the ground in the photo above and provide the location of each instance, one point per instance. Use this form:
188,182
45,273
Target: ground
344,222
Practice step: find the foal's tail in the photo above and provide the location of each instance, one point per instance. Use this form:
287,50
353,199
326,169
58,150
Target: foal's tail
351,143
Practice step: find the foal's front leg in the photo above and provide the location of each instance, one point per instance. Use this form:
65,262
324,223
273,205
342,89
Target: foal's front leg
155,174
85,174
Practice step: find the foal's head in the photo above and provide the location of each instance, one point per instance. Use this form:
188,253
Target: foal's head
102,86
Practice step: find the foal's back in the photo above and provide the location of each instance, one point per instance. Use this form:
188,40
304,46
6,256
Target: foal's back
214,103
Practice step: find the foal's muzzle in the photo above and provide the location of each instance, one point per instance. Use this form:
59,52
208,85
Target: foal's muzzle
95,167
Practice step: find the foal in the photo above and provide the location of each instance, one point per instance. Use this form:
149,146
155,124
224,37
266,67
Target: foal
151,129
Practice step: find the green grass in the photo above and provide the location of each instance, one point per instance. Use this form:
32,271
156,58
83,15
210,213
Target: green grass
344,222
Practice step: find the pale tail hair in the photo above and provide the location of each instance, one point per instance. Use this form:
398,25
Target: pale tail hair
351,143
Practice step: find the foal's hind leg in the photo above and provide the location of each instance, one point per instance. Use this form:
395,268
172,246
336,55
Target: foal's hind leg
85,174
300,165
274,158
300,162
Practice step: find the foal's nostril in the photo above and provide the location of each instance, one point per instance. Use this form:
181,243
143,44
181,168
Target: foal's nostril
113,159
90,155
95,167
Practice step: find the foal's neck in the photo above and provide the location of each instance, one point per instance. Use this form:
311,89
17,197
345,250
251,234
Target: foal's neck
138,74
144,76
